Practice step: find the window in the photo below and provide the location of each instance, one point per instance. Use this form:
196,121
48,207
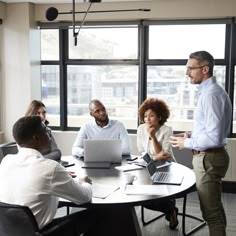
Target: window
104,65
115,86
50,77
178,41
105,43
49,44
234,104
50,92
168,82
122,64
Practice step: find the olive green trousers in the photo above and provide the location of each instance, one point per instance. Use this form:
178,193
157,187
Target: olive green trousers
210,168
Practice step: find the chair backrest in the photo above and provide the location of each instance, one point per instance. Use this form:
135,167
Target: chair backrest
7,148
16,220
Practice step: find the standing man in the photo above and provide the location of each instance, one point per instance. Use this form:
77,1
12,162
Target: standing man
101,128
209,137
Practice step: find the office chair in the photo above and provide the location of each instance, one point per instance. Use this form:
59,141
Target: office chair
16,220
181,159
7,148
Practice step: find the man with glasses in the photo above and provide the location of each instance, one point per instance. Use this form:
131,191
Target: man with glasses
209,137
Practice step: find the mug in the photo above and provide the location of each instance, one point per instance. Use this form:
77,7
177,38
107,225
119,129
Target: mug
129,178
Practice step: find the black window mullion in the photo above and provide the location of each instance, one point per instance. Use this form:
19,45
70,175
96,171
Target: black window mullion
230,49
143,54
103,62
63,52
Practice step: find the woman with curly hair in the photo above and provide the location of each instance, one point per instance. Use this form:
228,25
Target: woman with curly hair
153,138
153,135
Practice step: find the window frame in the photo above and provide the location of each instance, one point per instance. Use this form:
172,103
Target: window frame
143,61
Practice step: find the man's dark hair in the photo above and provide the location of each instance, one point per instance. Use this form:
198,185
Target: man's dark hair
204,58
25,128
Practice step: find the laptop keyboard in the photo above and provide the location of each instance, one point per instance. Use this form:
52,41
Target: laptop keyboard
162,176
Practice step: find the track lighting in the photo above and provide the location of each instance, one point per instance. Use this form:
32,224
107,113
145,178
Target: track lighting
52,13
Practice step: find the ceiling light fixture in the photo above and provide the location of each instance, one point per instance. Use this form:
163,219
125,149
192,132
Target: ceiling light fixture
52,13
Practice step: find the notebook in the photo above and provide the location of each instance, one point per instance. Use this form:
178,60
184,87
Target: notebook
162,177
101,154
102,190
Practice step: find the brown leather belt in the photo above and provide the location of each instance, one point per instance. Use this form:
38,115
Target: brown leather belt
220,149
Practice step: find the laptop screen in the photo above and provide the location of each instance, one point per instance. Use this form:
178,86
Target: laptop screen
151,167
103,150
157,163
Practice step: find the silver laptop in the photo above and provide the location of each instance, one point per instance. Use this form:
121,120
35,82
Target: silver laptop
102,153
162,177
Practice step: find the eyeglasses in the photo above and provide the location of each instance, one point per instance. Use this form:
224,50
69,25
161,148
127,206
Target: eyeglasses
190,69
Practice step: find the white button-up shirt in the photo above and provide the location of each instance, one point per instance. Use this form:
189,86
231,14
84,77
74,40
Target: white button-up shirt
212,117
27,178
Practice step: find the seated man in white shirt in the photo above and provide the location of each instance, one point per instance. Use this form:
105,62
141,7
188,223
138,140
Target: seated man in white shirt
100,128
27,178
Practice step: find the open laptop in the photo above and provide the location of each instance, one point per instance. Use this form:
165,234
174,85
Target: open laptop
101,154
158,163
162,177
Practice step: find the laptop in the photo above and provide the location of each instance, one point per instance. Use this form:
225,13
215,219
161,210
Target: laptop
158,177
100,154
158,163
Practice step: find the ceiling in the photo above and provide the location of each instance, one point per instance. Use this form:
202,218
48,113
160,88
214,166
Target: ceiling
63,1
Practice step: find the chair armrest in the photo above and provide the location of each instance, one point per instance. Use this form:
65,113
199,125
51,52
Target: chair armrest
54,230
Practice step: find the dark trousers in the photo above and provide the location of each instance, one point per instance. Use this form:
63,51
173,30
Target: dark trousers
73,225
165,205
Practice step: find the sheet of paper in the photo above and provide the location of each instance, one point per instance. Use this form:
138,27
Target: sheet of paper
103,190
128,167
158,190
139,162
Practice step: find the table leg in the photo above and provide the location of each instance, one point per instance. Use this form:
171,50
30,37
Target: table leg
120,220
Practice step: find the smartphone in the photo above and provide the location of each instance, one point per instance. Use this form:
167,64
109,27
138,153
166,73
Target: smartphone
131,158
66,164
69,164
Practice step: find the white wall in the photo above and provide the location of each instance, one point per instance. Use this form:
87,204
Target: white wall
160,9
19,60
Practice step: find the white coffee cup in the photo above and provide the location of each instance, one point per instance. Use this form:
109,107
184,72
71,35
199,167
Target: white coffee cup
129,178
